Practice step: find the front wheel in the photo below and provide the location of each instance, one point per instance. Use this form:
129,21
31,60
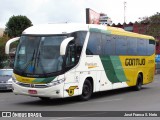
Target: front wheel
86,91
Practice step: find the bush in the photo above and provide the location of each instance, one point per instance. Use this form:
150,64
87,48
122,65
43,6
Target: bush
3,56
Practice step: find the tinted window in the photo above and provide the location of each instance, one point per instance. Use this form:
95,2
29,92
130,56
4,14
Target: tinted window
70,58
150,47
102,44
108,45
79,41
79,38
121,45
132,46
94,44
142,47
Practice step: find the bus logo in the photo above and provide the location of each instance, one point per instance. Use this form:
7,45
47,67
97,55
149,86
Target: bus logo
134,61
91,65
71,90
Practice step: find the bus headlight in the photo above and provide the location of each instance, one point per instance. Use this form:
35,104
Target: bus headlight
57,82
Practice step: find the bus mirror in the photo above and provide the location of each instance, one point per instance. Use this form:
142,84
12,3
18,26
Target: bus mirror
7,47
64,45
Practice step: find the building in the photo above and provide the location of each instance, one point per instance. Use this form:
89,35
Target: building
1,32
93,17
104,19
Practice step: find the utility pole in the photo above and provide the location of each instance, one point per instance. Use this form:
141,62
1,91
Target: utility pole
125,11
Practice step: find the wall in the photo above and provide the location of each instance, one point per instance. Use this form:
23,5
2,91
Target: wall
1,32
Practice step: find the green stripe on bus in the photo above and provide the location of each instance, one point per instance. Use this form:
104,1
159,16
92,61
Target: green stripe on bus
113,69
99,30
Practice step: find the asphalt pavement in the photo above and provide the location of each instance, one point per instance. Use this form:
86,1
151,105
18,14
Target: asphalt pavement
126,99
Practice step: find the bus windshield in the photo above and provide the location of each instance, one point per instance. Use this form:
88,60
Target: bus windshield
39,55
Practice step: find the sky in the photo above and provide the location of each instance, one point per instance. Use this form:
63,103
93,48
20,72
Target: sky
73,11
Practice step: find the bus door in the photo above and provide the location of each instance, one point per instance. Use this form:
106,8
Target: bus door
71,83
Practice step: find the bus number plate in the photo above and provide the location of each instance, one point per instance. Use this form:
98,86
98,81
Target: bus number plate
32,91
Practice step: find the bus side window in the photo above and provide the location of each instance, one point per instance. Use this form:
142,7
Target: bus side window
78,52
88,52
94,44
151,47
142,47
70,58
108,44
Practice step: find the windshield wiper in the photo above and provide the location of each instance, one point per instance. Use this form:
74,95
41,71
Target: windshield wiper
29,62
38,59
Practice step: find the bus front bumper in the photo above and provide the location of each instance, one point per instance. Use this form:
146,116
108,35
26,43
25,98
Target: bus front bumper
50,92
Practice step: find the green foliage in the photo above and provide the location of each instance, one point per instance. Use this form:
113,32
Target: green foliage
6,59
16,25
153,25
3,56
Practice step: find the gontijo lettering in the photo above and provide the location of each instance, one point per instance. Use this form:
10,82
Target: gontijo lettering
134,61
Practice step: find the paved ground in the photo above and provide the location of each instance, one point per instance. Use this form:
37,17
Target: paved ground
148,99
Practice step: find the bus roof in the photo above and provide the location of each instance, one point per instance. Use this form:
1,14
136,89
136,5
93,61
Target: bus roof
122,32
50,29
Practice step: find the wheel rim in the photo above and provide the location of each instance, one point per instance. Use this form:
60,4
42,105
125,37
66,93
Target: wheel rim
139,85
86,90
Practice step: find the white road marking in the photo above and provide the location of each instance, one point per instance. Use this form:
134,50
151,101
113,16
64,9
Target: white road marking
101,101
110,100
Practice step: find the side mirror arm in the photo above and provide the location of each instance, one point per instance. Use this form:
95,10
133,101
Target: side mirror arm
64,44
7,47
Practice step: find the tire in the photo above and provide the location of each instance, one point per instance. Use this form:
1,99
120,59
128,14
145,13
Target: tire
139,83
86,91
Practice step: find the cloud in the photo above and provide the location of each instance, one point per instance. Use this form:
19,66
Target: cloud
53,11
10,8
40,11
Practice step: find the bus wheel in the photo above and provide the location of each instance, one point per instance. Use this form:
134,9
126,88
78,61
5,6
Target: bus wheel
86,91
139,83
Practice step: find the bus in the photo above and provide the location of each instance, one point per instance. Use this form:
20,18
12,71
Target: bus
64,60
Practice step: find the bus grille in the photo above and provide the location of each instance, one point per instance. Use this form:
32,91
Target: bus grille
33,85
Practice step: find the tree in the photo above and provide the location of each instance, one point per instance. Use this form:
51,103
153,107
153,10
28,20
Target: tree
16,25
152,25
3,56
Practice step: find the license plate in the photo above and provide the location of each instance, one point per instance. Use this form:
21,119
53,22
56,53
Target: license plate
3,87
32,91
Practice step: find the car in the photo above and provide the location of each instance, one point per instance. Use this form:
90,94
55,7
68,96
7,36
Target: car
6,79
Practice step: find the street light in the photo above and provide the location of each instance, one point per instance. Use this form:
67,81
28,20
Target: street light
125,11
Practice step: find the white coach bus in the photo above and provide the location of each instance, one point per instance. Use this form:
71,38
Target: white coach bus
64,60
